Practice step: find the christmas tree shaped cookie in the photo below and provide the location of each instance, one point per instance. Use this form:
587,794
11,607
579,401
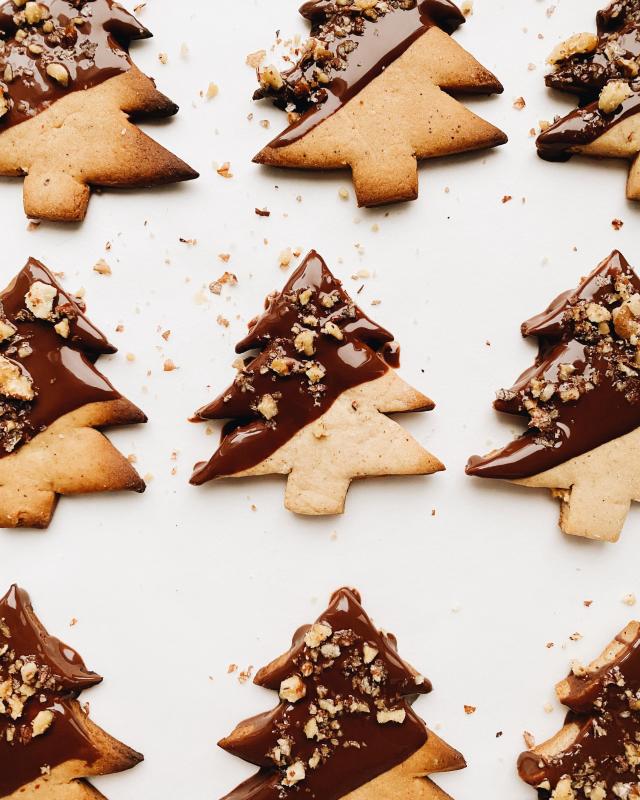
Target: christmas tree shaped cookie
596,755
372,91
68,89
52,398
48,744
344,727
582,397
311,404
604,71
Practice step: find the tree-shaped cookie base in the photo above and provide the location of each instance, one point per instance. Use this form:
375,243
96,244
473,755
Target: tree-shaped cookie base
76,132
582,398
344,727
596,755
392,114
52,400
603,71
48,745
311,405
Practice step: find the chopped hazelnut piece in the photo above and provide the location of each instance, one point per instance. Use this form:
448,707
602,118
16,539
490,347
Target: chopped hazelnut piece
578,43
39,299
7,329
295,774
42,722
316,373
279,365
292,689
271,78
370,653
59,74
62,328
613,94
398,715
564,790
317,634
311,729
304,342
597,313
332,329
14,382
268,407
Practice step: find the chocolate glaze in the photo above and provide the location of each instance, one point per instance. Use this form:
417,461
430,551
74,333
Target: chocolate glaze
581,127
364,354
609,410
618,42
62,370
378,43
586,74
601,709
91,52
62,676
344,768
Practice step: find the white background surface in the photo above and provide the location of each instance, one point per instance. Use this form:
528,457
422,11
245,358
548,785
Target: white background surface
171,587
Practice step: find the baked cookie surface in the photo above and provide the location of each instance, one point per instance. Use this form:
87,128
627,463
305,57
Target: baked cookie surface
48,744
596,755
344,727
371,91
68,90
52,398
603,69
311,404
582,398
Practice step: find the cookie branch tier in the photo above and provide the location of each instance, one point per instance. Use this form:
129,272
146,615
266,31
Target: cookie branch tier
370,90
344,727
51,398
48,744
582,398
596,755
311,404
68,88
603,69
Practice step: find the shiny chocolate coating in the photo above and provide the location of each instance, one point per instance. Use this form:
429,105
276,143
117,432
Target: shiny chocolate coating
356,50
85,40
605,754
602,369
59,679
616,57
350,672
62,369
312,301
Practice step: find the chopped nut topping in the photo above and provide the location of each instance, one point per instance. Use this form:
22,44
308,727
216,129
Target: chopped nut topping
304,342
317,634
268,407
613,95
292,689
39,299
332,329
577,44
384,717
42,722
14,382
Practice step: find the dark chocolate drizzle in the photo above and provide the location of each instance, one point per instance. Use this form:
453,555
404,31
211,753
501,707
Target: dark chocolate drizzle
357,747
61,677
365,353
62,369
605,707
586,74
354,60
606,377
91,52
582,127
